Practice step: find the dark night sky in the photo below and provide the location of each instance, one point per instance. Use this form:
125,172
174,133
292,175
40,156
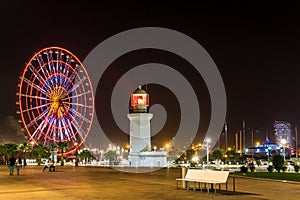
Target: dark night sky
256,48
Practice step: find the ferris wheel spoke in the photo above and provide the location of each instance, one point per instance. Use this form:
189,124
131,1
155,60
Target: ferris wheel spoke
63,80
71,129
35,108
73,75
50,126
30,83
42,64
52,130
65,128
34,97
80,115
59,58
60,132
36,74
35,120
44,122
76,96
37,129
49,60
74,87
78,104
78,128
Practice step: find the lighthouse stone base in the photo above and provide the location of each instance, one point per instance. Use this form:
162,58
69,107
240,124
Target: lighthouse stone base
148,159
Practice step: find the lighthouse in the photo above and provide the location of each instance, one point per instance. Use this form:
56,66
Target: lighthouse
140,135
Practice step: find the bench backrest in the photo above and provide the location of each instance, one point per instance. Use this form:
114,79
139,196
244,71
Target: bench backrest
195,174
220,176
209,175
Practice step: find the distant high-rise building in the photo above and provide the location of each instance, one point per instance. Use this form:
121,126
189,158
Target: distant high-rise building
283,133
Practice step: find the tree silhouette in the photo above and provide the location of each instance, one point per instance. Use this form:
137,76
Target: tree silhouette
62,146
278,162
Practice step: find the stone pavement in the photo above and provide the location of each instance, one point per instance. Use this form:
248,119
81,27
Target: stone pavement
70,182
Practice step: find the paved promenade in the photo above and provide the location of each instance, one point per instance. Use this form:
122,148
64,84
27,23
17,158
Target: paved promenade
70,182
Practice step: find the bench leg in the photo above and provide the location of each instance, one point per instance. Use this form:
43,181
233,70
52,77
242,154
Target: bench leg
233,184
226,187
187,185
216,188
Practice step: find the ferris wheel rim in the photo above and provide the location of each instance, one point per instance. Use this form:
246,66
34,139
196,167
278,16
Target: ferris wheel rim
33,57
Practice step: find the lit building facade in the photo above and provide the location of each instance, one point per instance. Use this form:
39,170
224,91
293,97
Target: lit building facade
283,133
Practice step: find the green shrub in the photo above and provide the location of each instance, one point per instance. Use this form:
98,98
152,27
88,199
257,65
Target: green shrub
244,169
252,168
278,162
296,167
270,168
258,163
284,168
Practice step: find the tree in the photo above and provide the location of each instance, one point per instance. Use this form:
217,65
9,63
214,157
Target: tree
232,155
9,150
217,154
86,155
2,154
189,154
278,162
25,147
62,146
51,149
41,151
111,156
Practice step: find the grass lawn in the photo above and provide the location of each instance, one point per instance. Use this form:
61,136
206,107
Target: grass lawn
289,176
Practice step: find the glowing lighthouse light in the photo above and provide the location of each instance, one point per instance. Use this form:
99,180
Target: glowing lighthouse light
139,101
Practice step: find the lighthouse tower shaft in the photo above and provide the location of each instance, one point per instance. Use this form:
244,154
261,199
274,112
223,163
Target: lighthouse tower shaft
140,135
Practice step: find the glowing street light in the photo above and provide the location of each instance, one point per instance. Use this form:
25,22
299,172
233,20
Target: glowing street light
207,141
195,159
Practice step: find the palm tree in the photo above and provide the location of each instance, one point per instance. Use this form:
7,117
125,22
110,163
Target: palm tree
25,147
41,151
2,154
62,146
86,155
217,154
10,149
111,156
51,148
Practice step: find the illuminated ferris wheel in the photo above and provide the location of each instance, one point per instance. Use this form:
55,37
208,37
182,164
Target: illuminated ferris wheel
55,97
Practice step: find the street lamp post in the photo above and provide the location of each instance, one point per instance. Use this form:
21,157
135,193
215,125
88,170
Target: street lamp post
252,147
207,140
296,133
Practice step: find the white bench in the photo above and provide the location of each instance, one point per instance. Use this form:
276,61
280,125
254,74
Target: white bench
204,176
